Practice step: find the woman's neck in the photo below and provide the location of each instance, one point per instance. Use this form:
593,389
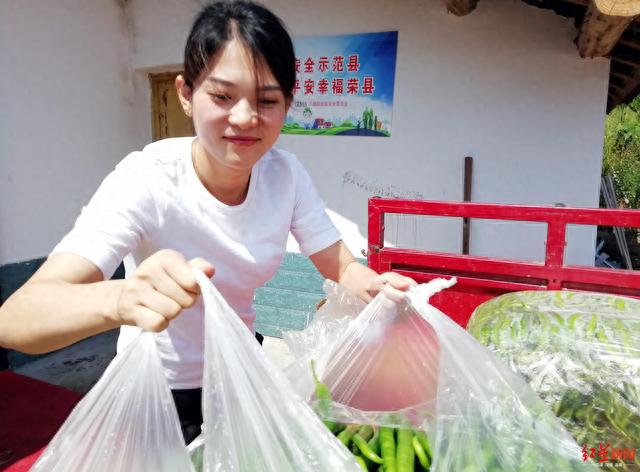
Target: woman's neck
228,186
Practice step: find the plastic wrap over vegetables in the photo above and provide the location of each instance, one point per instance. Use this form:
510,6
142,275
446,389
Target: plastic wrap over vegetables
253,419
127,421
433,397
581,353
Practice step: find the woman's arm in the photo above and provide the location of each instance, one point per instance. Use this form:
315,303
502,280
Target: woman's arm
66,300
338,264
63,302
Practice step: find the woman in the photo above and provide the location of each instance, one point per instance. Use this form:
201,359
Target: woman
224,202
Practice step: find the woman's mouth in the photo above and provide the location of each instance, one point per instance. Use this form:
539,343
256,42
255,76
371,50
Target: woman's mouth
241,140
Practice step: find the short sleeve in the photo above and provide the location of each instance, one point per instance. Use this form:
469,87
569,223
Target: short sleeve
311,226
114,221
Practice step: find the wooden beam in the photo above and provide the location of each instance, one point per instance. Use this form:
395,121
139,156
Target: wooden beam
630,88
617,81
619,75
618,7
619,90
460,7
629,43
622,67
626,57
599,33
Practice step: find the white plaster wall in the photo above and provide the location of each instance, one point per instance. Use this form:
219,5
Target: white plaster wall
503,84
66,115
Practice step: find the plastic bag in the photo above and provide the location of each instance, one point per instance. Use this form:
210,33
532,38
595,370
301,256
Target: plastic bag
253,419
581,353
126,422
339,308
409,366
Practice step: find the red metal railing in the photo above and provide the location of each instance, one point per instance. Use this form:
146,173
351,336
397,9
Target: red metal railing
481,278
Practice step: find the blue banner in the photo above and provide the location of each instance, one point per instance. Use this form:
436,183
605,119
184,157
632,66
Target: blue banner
344,85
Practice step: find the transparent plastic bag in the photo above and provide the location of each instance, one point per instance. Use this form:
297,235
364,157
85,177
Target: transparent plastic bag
581,353
339,308
126,422
196,451
253,419
408,366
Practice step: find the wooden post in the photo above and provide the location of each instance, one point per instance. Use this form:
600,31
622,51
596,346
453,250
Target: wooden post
468,171
600,32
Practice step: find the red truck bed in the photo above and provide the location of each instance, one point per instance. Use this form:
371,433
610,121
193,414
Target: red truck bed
482,278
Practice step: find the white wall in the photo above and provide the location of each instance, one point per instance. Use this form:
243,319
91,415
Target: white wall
504,85
66,104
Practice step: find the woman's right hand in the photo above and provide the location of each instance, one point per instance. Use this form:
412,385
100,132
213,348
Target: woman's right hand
162,286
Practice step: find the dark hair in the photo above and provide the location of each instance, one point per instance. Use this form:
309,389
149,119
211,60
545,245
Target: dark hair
258,28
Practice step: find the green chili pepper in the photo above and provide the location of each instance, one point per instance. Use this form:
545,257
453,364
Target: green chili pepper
424,442
506,322
601,336
523,323
362,463
354,449
619,304
619,421
558,318
365,432
420,453
572,320
339,428
570,402
346,434
323,396
388,449
631,392
559,301
365,450
623,332
485,334
405,453
514,330
543,320
591,421
593,324
374,443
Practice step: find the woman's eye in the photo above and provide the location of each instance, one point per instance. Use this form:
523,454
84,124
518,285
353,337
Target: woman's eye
268,101
221,97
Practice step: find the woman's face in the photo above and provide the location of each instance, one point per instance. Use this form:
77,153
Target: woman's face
235,118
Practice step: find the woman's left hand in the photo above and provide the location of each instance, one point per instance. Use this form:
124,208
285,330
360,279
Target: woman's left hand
393,285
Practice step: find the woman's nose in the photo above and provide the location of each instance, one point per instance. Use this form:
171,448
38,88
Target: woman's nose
243,115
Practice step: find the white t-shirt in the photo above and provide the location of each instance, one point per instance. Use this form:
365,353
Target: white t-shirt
154,200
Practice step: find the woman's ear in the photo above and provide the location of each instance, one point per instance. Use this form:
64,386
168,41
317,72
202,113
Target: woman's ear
184,94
